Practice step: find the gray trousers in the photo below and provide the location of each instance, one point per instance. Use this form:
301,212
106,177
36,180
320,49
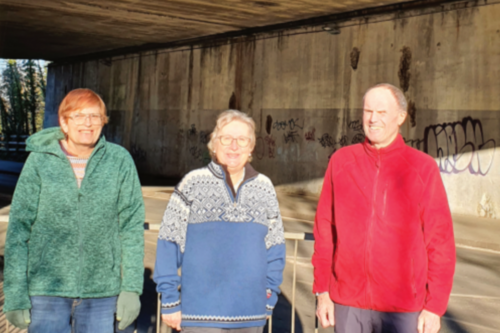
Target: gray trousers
354,320
222,330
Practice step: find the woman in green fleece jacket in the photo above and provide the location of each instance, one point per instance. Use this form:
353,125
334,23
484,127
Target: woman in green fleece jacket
75,245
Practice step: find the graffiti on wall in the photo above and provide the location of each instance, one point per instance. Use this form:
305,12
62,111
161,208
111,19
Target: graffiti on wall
290,124
265,147
458,146
310,135
293,131
354,134
196,143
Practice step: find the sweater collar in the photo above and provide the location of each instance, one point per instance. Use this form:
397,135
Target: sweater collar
220,171
395,146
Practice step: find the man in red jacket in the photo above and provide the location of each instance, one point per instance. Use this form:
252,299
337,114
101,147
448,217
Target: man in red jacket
384,251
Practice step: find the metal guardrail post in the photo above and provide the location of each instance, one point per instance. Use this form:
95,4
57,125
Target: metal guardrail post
158,314
316,321
270,325
294,282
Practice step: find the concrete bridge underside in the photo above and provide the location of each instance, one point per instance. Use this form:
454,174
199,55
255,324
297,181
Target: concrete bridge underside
57,29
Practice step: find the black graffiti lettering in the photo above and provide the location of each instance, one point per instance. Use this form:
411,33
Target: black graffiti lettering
291,136
280,125
355,125
326,140
204,137
292,123
343,141
417,143
358,138
456,145
192,130
195,152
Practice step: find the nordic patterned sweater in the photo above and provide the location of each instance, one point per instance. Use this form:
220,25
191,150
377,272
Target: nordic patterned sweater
230,247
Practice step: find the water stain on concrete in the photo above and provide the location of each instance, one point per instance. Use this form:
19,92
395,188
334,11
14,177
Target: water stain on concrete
412,112
355,58
404,69
232,102
269,124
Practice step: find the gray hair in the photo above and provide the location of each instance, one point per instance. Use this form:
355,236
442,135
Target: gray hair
225,118
399,96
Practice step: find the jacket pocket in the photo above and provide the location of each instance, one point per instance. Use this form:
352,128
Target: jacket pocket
115,255
36,255
113,261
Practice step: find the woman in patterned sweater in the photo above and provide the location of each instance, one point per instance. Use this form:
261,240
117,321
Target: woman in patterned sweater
223,227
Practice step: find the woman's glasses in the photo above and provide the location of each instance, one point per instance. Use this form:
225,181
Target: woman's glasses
227,140
80,118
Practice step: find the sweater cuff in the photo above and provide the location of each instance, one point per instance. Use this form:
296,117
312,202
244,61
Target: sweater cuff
272,299
168,308
17,302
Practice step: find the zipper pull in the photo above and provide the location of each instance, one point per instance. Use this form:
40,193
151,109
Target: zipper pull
234,204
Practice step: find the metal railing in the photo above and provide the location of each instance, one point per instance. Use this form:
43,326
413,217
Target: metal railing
13,142
295,237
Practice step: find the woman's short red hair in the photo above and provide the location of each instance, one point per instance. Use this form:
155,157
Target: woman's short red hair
80,99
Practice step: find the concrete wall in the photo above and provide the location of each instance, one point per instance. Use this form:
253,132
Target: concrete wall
304,88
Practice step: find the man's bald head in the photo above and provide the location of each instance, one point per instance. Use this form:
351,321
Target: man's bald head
384,111
399,96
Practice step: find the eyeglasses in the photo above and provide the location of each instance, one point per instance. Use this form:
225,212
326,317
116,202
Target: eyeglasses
80,118
227,140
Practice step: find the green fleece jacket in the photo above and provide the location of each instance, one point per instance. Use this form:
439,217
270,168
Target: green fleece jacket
66,241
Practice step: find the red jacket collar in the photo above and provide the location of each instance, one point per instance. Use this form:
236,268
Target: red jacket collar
396,145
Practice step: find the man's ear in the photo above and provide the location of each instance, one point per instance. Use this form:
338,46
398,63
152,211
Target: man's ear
402,118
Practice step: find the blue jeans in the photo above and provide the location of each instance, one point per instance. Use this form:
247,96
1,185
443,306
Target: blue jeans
76,315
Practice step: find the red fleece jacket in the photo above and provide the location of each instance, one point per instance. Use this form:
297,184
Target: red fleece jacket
383,230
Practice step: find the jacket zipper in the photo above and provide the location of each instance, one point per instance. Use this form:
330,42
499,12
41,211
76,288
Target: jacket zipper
235,198
80,241
80,245
369,240
414,288
239,188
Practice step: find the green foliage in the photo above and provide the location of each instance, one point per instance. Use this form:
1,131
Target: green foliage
22,98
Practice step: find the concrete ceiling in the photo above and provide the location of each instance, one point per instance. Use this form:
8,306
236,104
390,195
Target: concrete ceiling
55,29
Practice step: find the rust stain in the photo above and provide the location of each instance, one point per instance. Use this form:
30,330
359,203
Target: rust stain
404,68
